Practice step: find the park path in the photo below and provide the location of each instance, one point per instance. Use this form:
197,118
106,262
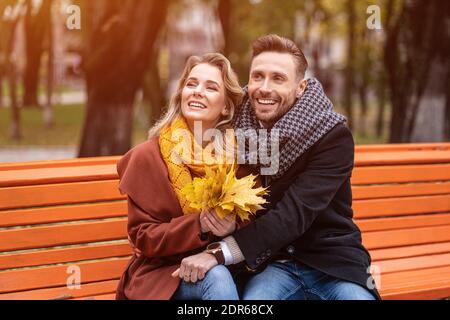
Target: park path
35,153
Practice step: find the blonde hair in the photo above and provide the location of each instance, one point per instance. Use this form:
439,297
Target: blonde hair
233,91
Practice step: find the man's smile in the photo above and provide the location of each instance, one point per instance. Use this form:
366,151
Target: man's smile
266,101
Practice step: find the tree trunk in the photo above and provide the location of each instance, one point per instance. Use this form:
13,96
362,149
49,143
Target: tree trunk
429,125
415,42
364,105
154,90
381,93
35,27
120,38
447,110
15,127
224,12
108,128
9,28
15,130
349,71
1,85
48,112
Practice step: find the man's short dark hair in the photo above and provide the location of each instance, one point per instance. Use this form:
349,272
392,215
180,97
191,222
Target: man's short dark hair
276,43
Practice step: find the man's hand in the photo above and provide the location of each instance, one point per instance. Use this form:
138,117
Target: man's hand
210,221
194,268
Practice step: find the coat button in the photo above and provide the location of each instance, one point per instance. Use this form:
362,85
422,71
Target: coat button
258,260
290,249
268,252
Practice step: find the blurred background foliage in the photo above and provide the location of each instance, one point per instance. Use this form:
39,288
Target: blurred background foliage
99,85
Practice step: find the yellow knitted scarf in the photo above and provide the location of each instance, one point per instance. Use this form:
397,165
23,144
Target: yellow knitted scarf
185,158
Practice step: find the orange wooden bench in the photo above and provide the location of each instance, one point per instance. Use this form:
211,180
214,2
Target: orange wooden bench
58,214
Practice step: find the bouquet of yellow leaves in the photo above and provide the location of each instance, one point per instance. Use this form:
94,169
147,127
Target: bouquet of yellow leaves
221,190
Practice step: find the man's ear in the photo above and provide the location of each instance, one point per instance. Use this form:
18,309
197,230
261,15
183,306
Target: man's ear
301,87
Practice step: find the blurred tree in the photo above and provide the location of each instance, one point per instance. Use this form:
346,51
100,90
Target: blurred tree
37,20
349,69
119,41
224,12
154,88
244,21
11,13
416,59
368,69
48,112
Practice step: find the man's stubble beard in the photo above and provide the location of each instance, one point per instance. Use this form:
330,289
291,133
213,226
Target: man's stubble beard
272,119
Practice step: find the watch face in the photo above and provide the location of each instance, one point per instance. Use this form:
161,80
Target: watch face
214,245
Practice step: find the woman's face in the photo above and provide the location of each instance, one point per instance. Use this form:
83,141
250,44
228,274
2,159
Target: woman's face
203,96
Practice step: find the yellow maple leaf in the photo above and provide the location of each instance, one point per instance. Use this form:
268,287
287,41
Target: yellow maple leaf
229,196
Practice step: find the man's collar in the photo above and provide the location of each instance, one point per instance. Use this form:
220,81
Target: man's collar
261,125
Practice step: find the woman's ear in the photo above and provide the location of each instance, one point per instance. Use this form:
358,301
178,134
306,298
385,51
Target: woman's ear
225,111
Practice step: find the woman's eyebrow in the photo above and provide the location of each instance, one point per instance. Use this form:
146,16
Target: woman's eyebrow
213,82
207,81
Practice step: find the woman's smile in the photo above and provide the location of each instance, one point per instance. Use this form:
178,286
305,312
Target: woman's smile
196,105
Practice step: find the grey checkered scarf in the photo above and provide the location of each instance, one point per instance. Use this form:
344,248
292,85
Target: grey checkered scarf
310,118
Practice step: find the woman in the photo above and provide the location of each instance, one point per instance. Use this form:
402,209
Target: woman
161,224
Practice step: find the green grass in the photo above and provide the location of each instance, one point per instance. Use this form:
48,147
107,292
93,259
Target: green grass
66,131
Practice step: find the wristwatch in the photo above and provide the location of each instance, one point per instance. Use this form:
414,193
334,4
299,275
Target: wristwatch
216,250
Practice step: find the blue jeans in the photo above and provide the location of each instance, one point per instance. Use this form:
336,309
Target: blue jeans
294,281
218,284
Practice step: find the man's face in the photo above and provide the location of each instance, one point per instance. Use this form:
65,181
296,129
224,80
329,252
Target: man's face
273,86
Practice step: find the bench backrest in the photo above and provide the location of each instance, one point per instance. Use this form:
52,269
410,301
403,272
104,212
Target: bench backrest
61,217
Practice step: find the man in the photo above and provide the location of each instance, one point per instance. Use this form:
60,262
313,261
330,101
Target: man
305,243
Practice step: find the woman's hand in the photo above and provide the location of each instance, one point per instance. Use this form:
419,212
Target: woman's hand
194,268
210,221
203,225
136,251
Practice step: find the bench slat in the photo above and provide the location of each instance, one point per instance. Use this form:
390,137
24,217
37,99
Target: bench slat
85,290
411,251
108,296
403,147
415,263
397,158
63,213
361,175
38,278
398,238
28,177
427,291
60,235
53,256
59,163
403,222
428,284
402,173
57,194
400,190
400,206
